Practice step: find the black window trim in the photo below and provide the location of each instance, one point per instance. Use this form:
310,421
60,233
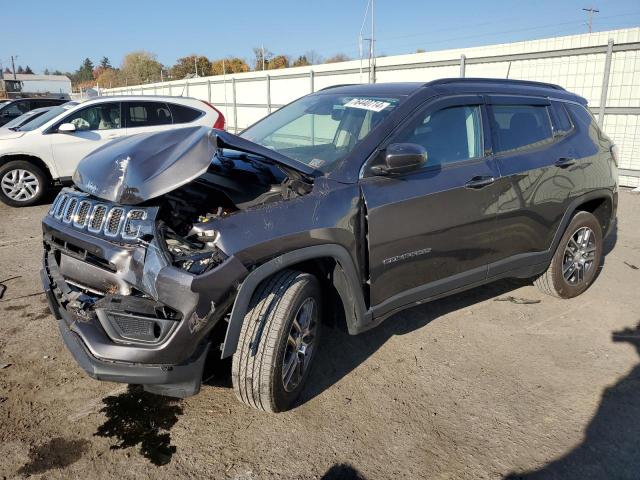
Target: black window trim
559,134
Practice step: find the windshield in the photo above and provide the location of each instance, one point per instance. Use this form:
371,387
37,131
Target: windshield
42,119
24,118
320,130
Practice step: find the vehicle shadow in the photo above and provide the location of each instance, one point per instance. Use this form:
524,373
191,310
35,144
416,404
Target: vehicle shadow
340,353
342,471
611,445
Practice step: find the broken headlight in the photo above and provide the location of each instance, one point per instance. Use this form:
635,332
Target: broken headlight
193,256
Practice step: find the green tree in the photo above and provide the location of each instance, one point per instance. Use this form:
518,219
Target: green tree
140,67
20,69
104,63
28,70
186,66
84,73
231,65
338,57
46,72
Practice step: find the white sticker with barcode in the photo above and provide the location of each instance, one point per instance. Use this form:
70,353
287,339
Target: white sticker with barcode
367,104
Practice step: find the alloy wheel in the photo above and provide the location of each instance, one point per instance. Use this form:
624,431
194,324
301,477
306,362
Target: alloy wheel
579,255
300,344
20,185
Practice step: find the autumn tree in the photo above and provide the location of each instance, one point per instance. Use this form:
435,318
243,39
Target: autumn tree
262,58
279,61
301,61
230,65
186,66
110,77
338,57
140,67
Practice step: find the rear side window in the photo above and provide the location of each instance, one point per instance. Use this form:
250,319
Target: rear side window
182,114
147,114
581,116
520,126
563,122
449,135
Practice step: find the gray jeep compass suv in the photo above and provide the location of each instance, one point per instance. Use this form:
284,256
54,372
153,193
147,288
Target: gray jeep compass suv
353,203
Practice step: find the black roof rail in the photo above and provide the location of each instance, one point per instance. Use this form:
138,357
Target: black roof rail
336,86
531,83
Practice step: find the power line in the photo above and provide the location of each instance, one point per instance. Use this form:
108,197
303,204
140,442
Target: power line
590,12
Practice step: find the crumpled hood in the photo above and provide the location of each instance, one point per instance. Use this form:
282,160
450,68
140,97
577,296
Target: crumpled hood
6,134
135,169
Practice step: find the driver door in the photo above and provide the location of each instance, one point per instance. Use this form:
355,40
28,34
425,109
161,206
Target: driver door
431,230
95,126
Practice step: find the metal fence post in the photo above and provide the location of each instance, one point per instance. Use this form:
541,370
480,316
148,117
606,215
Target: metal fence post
605,83
209,90
186,87
311,79
463,65
268,79
235,105
170,90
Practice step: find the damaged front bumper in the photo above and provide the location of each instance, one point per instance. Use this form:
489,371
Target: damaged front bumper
98,291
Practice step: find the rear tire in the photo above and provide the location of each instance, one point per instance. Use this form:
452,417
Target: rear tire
577,259
286,310
22,183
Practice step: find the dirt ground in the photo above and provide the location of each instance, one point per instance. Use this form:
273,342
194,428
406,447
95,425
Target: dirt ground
473,386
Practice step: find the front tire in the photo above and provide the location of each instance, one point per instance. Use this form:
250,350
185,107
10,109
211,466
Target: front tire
22,183
284,317
575,264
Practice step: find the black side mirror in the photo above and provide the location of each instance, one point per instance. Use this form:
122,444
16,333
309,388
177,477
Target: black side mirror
401,158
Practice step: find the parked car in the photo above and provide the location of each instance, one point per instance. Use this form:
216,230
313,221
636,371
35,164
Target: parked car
24,119
12,109
349,204
47,150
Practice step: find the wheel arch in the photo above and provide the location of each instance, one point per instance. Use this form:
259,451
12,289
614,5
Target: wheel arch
37,161
330,262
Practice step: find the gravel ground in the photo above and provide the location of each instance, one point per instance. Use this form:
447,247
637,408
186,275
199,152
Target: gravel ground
465,387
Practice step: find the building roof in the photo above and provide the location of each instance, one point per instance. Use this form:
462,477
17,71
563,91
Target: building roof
42,78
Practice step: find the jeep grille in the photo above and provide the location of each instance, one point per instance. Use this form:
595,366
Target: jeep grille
83,213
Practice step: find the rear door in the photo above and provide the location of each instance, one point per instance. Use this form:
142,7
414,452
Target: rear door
535,183
146,116
431,230
95,124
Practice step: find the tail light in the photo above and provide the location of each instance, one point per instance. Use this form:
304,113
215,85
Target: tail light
220,121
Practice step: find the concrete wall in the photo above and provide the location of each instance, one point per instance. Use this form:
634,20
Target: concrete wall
576,62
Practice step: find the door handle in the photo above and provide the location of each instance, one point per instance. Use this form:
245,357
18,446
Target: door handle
479,182
565,162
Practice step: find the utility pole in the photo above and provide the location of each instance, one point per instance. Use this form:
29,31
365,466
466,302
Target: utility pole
372,62
590,12
13,66
195,62
262,48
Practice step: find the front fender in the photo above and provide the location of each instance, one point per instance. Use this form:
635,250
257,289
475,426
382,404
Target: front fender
347,285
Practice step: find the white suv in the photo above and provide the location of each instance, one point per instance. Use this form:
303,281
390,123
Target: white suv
46,150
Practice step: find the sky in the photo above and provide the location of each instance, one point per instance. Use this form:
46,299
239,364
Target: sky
60,37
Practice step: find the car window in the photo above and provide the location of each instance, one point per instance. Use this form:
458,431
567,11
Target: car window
519,126
581,115
103,116
50,115
449,135
182,114
147,114
564,124
16,109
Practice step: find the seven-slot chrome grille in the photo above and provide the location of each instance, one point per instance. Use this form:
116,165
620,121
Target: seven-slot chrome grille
94,216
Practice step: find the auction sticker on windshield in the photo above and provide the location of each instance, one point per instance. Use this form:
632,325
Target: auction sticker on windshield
367,104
